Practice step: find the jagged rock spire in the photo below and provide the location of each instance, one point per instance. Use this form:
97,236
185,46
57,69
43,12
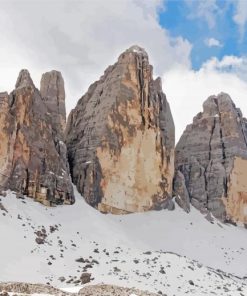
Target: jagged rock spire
24,79
52,91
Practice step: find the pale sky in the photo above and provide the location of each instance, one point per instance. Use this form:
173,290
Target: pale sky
81,38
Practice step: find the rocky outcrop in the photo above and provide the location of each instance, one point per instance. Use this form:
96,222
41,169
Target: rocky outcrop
120,139
24,289
33,155
211,161
52,92
112,290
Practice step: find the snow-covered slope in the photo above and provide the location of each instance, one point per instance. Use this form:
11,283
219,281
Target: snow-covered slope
171,252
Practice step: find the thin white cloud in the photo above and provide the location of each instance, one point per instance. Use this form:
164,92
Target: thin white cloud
81,38
240,16
204,9
212,42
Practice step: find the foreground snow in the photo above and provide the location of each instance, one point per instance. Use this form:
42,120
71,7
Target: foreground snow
138,250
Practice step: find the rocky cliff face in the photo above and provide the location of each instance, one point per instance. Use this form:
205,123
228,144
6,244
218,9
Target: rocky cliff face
211,161
120,139
52,92
33,155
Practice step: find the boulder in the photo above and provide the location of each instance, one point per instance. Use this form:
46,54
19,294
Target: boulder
85,278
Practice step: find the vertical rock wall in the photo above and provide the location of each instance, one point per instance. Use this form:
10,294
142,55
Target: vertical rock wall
120,139
211,160
52,92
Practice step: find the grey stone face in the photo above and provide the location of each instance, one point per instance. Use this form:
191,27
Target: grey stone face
205,153
34,156
120,138
53,93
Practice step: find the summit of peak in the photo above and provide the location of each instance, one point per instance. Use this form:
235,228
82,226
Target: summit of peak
136,49
24,79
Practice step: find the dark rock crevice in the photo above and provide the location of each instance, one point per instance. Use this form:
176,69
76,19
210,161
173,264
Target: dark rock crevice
210,140
221,133
140,74
243,126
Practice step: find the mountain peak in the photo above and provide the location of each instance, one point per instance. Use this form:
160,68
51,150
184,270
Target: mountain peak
136,117
211,161
134,51
137,49
33,156
220,103
24,79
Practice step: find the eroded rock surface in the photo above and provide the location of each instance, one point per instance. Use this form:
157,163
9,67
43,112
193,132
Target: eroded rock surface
211,161
33,155
52,91
120,139
31,289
